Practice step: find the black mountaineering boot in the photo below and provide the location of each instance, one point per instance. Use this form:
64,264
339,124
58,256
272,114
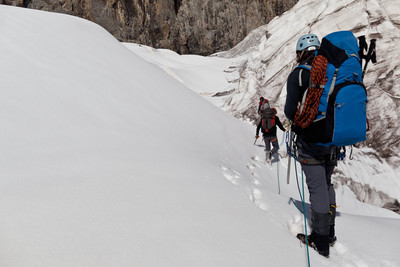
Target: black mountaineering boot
321,243
320,232
332,216
311,239
332,237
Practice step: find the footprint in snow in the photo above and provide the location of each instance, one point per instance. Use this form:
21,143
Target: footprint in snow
256,198
255,181
296,225
252,166
231,175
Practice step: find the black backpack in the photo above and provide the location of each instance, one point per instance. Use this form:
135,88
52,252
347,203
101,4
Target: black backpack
268,119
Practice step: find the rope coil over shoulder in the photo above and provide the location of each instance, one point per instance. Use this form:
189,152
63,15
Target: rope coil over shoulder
308,109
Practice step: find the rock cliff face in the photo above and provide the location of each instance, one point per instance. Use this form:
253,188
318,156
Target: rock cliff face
186,26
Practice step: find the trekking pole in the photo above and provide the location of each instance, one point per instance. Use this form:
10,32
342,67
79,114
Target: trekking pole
277,173
371,55
289,150
305,221
255,141
363,47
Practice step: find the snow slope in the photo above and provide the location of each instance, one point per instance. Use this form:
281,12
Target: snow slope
110,160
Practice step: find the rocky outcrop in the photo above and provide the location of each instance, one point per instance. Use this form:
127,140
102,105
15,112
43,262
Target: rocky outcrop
186,26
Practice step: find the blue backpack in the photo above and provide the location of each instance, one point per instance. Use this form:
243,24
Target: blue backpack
341,118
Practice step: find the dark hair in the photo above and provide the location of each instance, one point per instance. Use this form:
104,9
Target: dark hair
304,56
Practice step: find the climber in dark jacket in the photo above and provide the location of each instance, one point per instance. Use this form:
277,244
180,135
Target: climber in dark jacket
270,137
317,162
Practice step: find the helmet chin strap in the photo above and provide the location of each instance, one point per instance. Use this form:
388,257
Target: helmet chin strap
302,54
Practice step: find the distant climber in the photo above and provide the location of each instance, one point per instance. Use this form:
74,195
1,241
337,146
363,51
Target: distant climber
268,122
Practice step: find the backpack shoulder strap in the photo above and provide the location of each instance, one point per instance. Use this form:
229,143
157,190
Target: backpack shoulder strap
306,67
301,68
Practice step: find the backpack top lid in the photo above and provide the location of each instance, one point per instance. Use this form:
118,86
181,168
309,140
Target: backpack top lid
344,40
339,46
269,112
264,104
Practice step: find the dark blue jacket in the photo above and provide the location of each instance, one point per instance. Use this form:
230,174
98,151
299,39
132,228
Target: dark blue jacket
294,96
295,92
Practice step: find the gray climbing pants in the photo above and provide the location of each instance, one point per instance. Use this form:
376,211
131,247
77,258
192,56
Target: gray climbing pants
271,140
318,163
322,193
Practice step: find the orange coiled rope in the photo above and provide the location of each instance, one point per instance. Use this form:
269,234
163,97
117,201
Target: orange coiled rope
310,107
